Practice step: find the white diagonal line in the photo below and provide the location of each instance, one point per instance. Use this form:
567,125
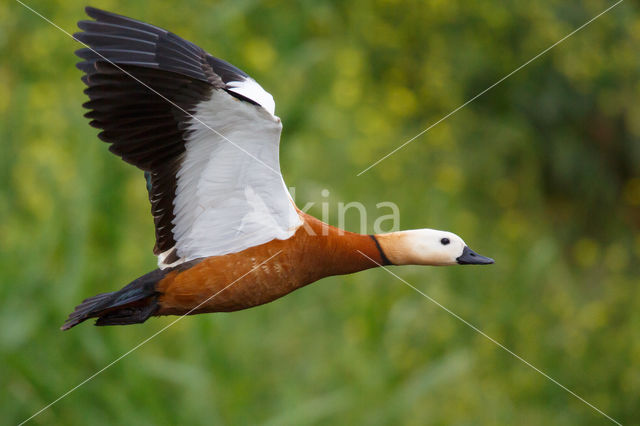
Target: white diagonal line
145,341
492,86
473,327
152,90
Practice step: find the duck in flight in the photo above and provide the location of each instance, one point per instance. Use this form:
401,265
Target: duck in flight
228,235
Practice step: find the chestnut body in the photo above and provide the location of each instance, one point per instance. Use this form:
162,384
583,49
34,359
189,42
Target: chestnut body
266,272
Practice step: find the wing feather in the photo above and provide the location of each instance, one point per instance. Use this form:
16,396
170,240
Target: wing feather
156,97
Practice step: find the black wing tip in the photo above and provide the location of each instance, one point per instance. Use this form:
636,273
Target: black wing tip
84,53
83,23
96,13
77,36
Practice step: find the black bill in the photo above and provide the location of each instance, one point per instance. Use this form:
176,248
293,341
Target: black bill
470,257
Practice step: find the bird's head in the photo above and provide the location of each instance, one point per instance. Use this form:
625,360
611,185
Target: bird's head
428,247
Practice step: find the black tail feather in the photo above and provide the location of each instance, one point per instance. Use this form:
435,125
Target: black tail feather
134,303
129,315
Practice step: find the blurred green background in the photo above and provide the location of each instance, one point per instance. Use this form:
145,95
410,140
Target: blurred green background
542,173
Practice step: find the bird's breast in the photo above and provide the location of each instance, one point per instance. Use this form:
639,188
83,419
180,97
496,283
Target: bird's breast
237,281
263,273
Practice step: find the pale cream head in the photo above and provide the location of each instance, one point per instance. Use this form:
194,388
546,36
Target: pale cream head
428,247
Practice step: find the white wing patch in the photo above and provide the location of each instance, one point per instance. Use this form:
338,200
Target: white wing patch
250,88
226,200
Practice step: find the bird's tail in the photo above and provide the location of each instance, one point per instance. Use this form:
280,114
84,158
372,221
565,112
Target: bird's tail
133,304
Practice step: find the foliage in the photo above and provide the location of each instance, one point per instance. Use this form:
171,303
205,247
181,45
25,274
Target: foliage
540,173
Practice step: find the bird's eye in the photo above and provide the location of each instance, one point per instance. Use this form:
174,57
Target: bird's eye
445,241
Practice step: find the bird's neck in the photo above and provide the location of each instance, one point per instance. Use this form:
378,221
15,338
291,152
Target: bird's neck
343,252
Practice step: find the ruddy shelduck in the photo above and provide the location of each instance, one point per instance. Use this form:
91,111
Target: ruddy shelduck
228,234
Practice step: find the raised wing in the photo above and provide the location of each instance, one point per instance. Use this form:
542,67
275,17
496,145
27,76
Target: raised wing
203,131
